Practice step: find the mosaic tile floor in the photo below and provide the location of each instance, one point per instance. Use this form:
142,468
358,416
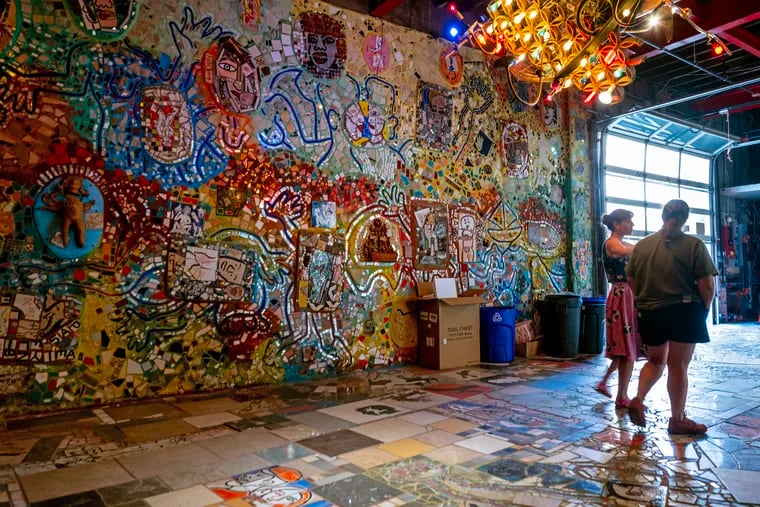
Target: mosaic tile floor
533,432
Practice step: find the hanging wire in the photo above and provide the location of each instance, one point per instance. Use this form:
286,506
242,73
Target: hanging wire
728,131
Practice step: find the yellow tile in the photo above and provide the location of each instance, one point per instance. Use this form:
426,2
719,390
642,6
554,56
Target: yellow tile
454,425
149,432
452,454
68,481
369,457
406,448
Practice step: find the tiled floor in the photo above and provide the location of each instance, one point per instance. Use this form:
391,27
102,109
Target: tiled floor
530,433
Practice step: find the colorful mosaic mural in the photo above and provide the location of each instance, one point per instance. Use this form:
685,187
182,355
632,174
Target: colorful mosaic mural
203,196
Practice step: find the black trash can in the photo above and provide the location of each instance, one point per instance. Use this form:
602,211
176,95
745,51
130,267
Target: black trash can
497,334
562,322
591,339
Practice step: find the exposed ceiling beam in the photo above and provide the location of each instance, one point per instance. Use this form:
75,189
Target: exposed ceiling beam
384,7
689,98
714,17
743,39
728,100
748,106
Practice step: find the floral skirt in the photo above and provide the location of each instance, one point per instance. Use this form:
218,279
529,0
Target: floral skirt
622,332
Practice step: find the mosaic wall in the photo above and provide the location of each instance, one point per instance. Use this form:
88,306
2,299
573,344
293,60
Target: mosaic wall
196,196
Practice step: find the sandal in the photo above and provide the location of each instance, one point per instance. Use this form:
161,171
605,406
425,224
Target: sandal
601,388
621,404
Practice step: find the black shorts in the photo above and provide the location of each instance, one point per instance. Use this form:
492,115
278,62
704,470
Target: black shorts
682,322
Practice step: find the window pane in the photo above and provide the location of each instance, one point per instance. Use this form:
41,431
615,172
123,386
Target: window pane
662,161
624,153
626,187
696,198
695,168
638,214
660,193
654,219
698,224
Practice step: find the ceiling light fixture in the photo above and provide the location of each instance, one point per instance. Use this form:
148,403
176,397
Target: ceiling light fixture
585,43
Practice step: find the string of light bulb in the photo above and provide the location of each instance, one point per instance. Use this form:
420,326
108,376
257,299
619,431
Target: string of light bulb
564,43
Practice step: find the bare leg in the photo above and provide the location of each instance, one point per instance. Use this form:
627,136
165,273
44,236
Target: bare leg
625,369
79,234
678,380
601,387
65,231
653,369
613,366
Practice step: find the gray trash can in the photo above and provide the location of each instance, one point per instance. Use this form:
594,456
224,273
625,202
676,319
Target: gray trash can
562,322
591,339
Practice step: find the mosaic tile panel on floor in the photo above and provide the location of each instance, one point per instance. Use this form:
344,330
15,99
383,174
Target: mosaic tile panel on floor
528,433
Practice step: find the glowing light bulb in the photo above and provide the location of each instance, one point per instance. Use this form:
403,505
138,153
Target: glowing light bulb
518,19
489,29
526,36
626,13
584,62
568,45
600,76
532,14
481,39
605,97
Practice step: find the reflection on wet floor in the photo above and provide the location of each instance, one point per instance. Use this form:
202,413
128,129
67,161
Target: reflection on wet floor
532,432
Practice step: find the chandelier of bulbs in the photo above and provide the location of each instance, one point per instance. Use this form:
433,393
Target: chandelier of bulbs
564,43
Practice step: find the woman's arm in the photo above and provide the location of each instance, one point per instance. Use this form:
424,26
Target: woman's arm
617,249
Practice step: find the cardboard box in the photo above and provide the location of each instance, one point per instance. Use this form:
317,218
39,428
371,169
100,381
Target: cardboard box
449,329
529,349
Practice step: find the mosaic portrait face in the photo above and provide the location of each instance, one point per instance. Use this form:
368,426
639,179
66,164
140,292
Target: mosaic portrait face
451,66
434,110
514,150
166,126
376,53
234,76
322,47
8,20
100,12
104,19
365,124
467,225
549,115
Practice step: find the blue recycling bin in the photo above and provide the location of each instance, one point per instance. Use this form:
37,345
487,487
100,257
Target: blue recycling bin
591,339
497,334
